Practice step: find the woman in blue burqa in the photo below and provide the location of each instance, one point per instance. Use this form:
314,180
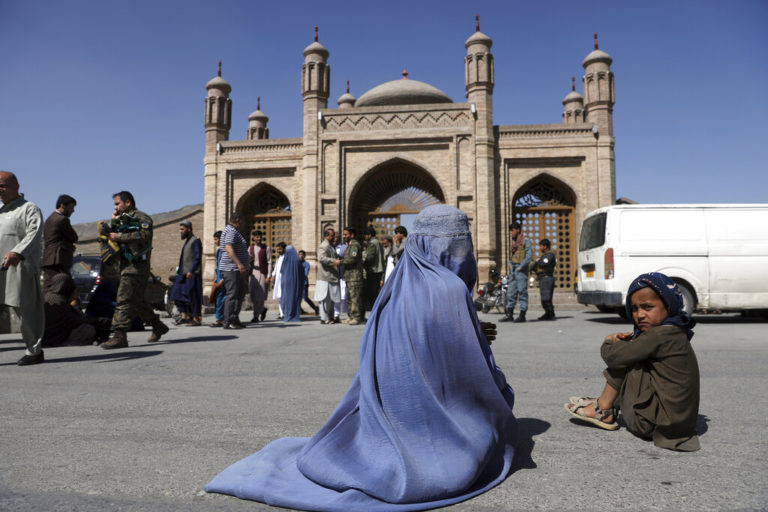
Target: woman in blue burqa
292,283
427,420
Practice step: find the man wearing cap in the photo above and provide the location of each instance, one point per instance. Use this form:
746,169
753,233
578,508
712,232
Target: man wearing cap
188,286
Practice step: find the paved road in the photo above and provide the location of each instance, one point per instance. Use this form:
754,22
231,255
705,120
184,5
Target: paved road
144,428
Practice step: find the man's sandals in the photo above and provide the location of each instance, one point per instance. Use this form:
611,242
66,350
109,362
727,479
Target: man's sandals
576,406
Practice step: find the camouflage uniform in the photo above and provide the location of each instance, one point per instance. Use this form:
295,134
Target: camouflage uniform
353,276
135,228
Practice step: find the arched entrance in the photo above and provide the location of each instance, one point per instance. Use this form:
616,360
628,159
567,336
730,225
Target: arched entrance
392,196
267,210
545,207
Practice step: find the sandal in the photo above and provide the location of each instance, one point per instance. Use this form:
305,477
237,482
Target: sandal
582,400
577,410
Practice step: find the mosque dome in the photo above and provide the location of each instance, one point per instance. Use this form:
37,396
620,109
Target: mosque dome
258,115
346,98
478,38
219,83
316,47
597,56
402,92
573,96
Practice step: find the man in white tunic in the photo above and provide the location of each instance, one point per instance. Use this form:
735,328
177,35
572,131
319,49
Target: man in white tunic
327,284
276,292
21,246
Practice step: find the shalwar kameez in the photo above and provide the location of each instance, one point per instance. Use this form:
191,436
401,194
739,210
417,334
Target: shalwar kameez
21,231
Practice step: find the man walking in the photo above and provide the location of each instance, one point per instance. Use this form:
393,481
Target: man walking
520,256
373,264
353,275
59,240
21,223
233,270
188,286
260,256
545,272
327,285
131,229
305,293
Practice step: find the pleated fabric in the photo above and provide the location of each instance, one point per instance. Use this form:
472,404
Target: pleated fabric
427,420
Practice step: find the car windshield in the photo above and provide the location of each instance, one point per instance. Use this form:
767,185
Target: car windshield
593,232
85,266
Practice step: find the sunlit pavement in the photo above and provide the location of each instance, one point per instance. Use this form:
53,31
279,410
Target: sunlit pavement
145,428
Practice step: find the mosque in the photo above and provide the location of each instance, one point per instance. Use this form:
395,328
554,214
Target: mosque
404,145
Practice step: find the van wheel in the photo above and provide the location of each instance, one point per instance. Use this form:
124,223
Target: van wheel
689,305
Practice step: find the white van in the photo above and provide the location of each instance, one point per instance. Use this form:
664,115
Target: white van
717,254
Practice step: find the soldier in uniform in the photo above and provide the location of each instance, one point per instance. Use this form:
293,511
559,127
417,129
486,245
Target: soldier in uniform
353,276
373,264
131,229
520,257
545,268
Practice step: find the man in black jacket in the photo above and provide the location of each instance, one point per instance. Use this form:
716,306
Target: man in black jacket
59,240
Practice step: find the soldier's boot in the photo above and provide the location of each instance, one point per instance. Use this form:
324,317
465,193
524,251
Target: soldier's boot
509,313
545,316
118,340
520,318
551,312
158,329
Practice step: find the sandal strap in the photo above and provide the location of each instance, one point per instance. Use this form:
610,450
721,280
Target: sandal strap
601,413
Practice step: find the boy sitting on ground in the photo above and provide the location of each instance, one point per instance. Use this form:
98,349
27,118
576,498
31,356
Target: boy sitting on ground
652,375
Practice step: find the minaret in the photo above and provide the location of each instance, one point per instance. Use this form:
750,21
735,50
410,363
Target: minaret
574,106
218,112
315,87
599,94
346,100
315,84
479,76
478,79
257,123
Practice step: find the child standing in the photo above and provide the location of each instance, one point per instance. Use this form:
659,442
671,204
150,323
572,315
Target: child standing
652,375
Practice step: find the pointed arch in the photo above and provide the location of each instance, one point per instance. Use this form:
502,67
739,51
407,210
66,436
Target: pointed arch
268,210
390,191
545,208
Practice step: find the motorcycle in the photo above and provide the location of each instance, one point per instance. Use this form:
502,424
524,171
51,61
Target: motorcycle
493,294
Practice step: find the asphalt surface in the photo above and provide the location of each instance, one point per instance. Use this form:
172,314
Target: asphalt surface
145,428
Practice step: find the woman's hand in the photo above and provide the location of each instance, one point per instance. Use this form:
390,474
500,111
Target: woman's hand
489,330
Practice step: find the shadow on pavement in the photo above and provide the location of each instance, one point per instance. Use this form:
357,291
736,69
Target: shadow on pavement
195,339
701,424
526,429
610,320
108,357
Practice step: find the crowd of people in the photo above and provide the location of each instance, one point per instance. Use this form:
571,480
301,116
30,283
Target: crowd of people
427,420
349,275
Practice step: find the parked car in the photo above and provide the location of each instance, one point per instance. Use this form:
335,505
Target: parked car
97,287
717,254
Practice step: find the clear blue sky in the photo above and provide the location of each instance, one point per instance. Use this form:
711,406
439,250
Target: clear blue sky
97,96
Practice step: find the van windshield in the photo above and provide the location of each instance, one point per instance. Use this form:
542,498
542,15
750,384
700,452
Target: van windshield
593,232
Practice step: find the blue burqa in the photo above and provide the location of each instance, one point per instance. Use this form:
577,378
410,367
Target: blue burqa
292,285
427,420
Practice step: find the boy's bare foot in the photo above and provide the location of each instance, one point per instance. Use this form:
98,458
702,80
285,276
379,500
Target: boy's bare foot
588,411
